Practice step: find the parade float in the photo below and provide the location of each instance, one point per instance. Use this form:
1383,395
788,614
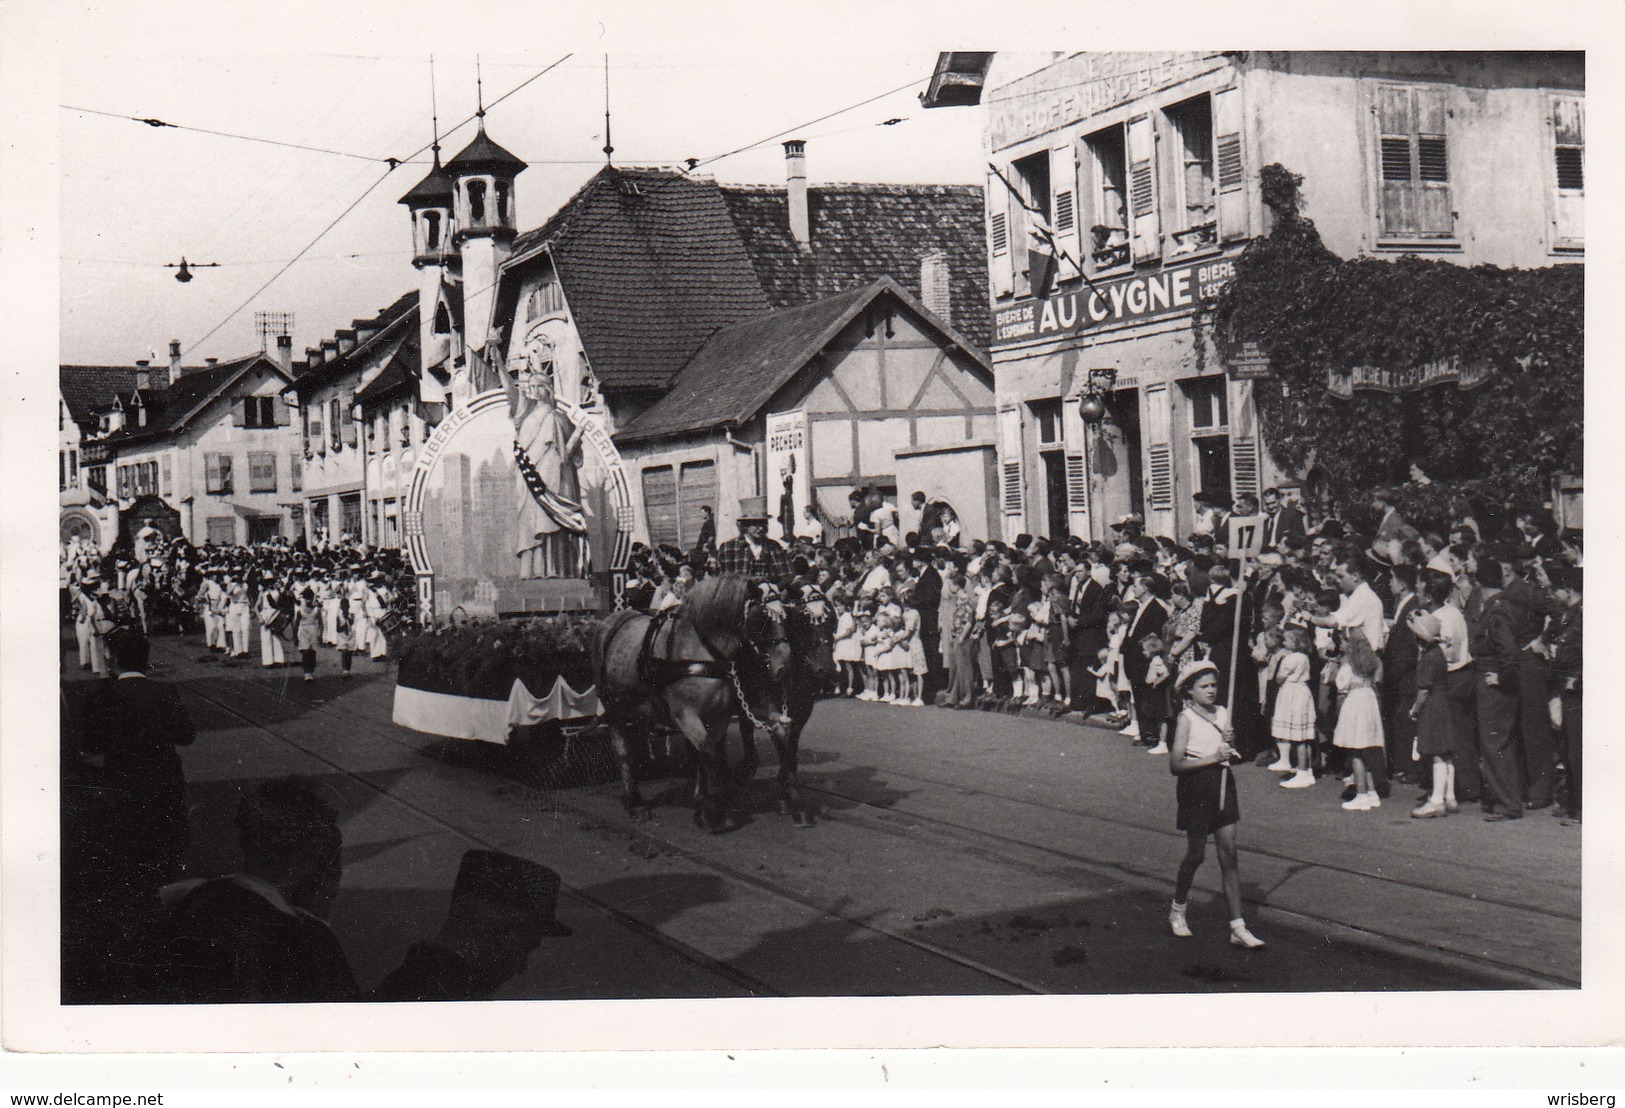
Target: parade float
518,529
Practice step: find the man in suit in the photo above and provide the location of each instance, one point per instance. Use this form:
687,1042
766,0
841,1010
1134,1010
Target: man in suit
1152,591
1282,521
1091,600
926,598
1495,650
1217,630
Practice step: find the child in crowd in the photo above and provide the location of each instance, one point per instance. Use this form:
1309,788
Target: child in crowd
1034,652
888,657
1156,711
1435,737
848,649
1058,648
1292,724
911,673
1007,648
869,635
1359,720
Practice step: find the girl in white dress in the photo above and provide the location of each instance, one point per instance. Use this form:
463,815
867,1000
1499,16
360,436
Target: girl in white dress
1359,720
869,632
848,648
1293,724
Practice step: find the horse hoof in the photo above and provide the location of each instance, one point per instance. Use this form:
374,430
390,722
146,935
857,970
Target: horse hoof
803,819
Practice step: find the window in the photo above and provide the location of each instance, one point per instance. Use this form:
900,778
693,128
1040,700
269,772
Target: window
165,488
1108,243
442,320
391,530
431,230
259,411
122,476
314,438
73,469
350,514
1194,204
1047,422
1414,162
296,472
1568,133
1210,438
222,530
217,474
476,202
502,202
61,470
261,472
352,425
1208,405
406,425
96,478
1032,178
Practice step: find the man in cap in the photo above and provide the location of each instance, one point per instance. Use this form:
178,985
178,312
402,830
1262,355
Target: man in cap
753,555
501,909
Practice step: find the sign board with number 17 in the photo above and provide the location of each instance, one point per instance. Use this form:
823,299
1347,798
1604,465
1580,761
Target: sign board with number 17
1246,537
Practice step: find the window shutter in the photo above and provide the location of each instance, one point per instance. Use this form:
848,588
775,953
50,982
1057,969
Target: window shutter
1073,432
1396,126
239,411
296,472
165,489
335,433
998,223
279,411
1433,163
1568,131
211,472
1063,175
1142,188
1010,460
1230,171
1160,490
660,505
225,474
697,489
350,434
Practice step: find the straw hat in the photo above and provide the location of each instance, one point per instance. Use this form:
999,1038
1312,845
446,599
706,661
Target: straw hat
1190,671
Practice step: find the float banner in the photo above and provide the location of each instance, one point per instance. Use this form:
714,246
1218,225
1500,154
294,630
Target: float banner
1109,302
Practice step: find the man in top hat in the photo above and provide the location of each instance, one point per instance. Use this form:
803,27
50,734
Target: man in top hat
753,555
502,907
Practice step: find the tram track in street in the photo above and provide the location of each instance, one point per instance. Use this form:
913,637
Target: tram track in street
662,843
979,840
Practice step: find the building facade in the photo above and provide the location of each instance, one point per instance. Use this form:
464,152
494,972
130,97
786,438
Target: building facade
1124,186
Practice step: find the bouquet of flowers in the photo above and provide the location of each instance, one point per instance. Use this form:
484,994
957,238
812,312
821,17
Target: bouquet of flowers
482,658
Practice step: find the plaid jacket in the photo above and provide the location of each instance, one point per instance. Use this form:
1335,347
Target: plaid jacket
772,565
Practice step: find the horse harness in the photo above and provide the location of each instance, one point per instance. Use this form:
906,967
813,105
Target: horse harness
657,672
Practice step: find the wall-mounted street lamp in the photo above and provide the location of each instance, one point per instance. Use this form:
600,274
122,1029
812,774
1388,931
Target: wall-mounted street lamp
1092,404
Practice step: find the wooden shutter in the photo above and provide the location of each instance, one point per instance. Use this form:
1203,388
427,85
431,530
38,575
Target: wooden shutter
1414,162
165,489
1568,141
1230,169
1064,213
239,411
335,434
351,427
660,505
1159,474
279,411
1142,189
1073,431
1245,458
1011,497
696,489
1000,258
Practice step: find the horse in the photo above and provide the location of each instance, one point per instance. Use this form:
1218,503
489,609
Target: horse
719,655
811,635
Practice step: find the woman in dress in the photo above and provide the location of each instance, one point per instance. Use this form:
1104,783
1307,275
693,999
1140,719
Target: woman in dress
1200,759
307,631
1435,728
1359,718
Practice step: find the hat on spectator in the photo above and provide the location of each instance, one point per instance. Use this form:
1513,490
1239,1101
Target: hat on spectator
517,882
752,509
1190,671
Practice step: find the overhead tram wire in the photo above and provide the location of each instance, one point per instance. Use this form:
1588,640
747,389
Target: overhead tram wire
394,163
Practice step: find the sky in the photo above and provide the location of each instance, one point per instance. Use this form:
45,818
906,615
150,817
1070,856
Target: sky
135,197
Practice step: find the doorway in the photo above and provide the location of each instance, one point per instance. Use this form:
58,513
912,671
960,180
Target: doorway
1055,493
1126,413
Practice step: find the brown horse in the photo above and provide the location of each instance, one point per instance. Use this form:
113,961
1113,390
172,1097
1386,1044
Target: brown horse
693,671
811,634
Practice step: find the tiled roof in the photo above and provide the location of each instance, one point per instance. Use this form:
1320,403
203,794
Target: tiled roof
740,369
861,232
88,390
651,265
355,360
195,388
399,375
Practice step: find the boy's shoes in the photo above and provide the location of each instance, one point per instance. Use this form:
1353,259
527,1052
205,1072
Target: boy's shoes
1280,765
1176,922
1240,936
1302,779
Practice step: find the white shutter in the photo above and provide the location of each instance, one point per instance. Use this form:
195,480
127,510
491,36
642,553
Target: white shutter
1159,475
1568,137
1433,162
1064,211
1142,188
1230,169
1073,431
1011,491
1244,452
999,252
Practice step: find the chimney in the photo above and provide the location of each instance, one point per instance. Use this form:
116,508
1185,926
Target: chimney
174,360
934,286
143,374
284,353
795,169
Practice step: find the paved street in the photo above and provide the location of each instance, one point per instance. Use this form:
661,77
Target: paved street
955,853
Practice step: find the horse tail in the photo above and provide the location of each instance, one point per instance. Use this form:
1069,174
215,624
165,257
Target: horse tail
715,606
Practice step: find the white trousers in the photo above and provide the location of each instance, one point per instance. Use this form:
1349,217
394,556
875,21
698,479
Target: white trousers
270,648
